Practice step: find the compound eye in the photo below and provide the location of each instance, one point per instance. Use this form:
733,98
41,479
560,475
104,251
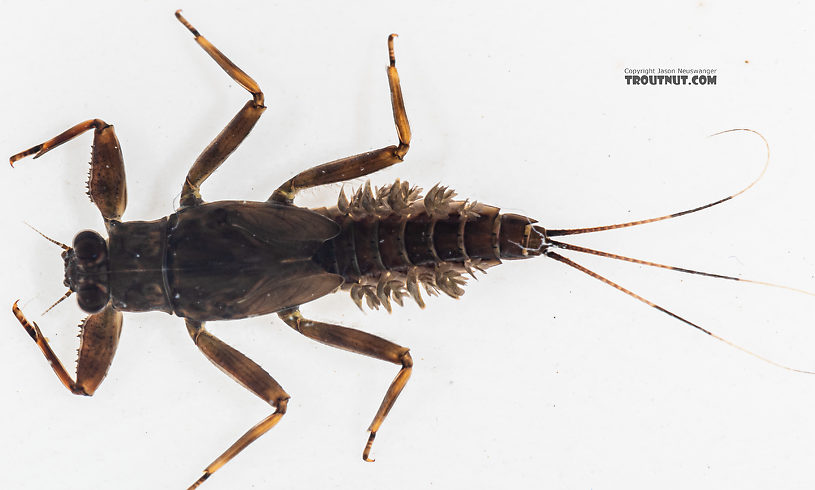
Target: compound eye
90,248
92,298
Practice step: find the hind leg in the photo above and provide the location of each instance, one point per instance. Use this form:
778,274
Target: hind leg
360,343
364,163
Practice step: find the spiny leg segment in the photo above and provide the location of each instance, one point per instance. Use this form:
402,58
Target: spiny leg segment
106,184
99,339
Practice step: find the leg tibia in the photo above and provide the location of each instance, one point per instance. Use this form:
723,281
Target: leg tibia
107,187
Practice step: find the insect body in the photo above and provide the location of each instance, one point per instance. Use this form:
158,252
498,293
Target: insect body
234,259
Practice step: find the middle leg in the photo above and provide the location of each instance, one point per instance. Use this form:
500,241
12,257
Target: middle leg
249,374
232,135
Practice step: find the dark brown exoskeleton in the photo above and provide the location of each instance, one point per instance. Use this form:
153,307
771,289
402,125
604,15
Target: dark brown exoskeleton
236,259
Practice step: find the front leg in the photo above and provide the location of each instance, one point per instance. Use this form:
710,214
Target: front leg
99,338
106,183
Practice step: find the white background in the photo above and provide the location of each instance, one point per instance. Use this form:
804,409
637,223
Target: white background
539,377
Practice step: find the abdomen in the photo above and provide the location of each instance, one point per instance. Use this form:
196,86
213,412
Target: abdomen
393,240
